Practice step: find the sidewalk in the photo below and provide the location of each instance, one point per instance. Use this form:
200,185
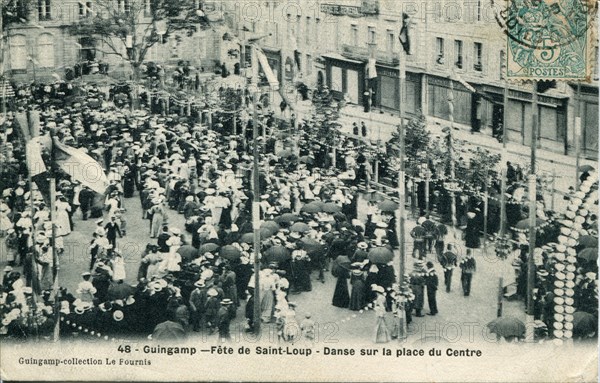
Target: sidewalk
382,125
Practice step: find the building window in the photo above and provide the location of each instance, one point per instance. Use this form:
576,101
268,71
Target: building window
44,9
309,64
85,9
124,6
458,53
46,51
298,28
148,7
439,47
372,37
18,52
308,30
478,53
390,42
478,10
354,35
87,49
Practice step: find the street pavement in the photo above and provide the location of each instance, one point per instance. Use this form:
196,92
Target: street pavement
460,318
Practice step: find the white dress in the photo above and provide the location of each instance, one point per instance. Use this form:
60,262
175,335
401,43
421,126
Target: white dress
118,266
63,226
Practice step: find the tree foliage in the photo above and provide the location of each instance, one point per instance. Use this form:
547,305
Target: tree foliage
326,113
416,143
129,28
16,11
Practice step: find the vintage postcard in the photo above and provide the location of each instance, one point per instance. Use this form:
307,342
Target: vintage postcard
282,190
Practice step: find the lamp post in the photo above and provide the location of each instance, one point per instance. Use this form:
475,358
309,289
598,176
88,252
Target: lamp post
529,327
401,192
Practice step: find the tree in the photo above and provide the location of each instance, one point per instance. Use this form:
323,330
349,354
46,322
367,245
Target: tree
416,143
129,28
16,11
325,117
481,167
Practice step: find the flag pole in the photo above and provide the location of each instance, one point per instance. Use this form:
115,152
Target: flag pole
529,328
402,334
56,312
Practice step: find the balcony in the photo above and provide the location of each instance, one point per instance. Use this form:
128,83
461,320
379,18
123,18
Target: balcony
362,54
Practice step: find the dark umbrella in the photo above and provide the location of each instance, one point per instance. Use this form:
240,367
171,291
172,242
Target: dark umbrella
271,225
208,248
588,241
341,262
331,207
507,326
287,218
266,232
583,324
524,224
312,246
277,253
247,238
168,331
300,227
388,206
590,254
312,207
380,255
188,252
586,168
230,252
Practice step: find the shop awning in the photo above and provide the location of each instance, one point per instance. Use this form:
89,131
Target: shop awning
339,57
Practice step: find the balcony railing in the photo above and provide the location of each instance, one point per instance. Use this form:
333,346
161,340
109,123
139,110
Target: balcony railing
362,54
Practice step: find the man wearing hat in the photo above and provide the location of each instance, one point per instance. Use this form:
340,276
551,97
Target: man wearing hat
432,282
468,266
448,261
224,317
197,302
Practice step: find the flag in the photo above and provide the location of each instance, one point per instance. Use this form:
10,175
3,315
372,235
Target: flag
33,156
21,118
80,166
371,68
403,36
264,64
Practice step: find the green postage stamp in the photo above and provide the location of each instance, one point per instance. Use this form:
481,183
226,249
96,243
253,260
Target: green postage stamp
550,39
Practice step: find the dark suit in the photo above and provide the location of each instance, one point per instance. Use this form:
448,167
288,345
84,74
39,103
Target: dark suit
432,281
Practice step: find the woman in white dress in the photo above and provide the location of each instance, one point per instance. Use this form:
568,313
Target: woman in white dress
118,267
63,225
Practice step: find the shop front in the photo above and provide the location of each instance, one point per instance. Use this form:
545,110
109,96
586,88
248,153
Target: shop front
552,127
274,60
589,121
345,77
438,89
388,90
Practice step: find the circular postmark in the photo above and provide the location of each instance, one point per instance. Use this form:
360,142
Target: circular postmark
531,23
549,34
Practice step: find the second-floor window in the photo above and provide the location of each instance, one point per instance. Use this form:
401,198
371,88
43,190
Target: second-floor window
44,10
308,29
371,37
309,63
354,35
458,54
478,57
390,41
85,9
439,48
124,6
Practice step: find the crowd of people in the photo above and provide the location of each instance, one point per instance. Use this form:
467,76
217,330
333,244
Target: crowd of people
196,278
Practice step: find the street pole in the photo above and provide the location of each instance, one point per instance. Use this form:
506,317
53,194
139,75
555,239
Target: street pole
485,212
427,180
529,328
401,195
577,135
503,162
256,199
451,153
